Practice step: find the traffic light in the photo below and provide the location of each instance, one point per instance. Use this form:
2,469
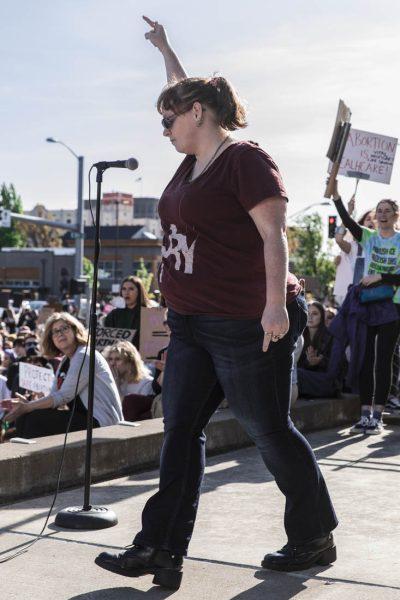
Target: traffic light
332,226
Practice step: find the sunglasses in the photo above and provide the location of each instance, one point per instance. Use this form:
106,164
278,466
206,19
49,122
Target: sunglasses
168,122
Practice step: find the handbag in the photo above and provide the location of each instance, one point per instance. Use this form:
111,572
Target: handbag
375,293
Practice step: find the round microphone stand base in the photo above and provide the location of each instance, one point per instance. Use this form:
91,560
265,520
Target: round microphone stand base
76,517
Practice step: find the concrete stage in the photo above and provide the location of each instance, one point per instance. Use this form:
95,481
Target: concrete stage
240,519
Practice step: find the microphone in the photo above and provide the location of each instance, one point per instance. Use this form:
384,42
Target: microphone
131,164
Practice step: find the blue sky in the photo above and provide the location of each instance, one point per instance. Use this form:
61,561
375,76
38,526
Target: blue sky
81,71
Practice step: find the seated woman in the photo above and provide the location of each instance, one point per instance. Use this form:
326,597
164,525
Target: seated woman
135,383
314,375
135,296
50,414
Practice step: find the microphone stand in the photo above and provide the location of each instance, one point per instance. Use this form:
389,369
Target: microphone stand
90,517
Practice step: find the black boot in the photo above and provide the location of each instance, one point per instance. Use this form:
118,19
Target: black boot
321,551
141,560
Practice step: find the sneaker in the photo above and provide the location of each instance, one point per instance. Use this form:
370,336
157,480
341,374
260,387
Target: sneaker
360,426
392,406
374,427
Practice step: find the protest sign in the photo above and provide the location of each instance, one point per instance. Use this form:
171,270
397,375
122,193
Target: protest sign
337,144
153,336
368,156
107,336
35,379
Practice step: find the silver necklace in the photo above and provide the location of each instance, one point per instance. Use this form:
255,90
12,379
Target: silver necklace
211,159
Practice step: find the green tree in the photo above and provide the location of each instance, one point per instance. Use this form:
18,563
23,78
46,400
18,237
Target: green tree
144,275
11,236
88,269
309,258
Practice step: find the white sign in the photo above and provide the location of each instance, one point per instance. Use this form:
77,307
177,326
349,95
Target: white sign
368,156
5,217
35,379
108,336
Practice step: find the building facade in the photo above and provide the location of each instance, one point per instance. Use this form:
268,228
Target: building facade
117,209
122,249
35,269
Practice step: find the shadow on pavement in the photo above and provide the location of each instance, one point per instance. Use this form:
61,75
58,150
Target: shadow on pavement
125,593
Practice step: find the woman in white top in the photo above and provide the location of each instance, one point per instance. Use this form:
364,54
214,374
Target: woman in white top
63,334
350,251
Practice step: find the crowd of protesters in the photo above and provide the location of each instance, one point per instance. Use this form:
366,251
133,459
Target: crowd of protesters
354,345
125,387
350,344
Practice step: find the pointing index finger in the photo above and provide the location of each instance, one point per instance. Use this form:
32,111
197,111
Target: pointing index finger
266,341
149,21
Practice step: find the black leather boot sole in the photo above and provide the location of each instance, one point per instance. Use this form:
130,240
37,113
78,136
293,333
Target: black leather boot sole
320,552
135,566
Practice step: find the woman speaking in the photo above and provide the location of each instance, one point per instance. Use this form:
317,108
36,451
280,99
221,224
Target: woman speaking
223,217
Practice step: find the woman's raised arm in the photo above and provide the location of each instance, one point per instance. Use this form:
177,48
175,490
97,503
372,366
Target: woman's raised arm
347,221
158,37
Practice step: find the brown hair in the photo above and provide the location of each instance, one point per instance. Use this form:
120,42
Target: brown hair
48,347
363,218
143,298
392,203
131,356
19,341
214,92
319,335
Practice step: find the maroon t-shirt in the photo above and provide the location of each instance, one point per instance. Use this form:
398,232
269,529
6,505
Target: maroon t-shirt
213,255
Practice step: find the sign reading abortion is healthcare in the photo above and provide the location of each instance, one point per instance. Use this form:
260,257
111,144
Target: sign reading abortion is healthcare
368,156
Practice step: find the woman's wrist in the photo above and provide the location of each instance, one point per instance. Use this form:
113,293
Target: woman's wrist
166,50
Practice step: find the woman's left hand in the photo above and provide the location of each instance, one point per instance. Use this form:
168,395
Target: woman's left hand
370,279
275,322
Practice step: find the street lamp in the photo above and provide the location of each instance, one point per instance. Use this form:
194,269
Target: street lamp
116,239
79,242
299,212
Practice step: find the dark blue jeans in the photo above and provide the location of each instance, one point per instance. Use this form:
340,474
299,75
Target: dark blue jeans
203,352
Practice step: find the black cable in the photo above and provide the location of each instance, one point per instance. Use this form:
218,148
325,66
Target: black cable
28,545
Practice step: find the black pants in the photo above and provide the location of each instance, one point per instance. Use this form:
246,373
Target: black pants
203,352
50,421
376,373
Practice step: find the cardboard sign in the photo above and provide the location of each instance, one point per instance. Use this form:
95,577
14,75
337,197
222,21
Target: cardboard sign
35,379
368,156
153,336
108,336
337,145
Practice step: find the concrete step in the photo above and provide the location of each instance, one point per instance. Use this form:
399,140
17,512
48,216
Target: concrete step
32,470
